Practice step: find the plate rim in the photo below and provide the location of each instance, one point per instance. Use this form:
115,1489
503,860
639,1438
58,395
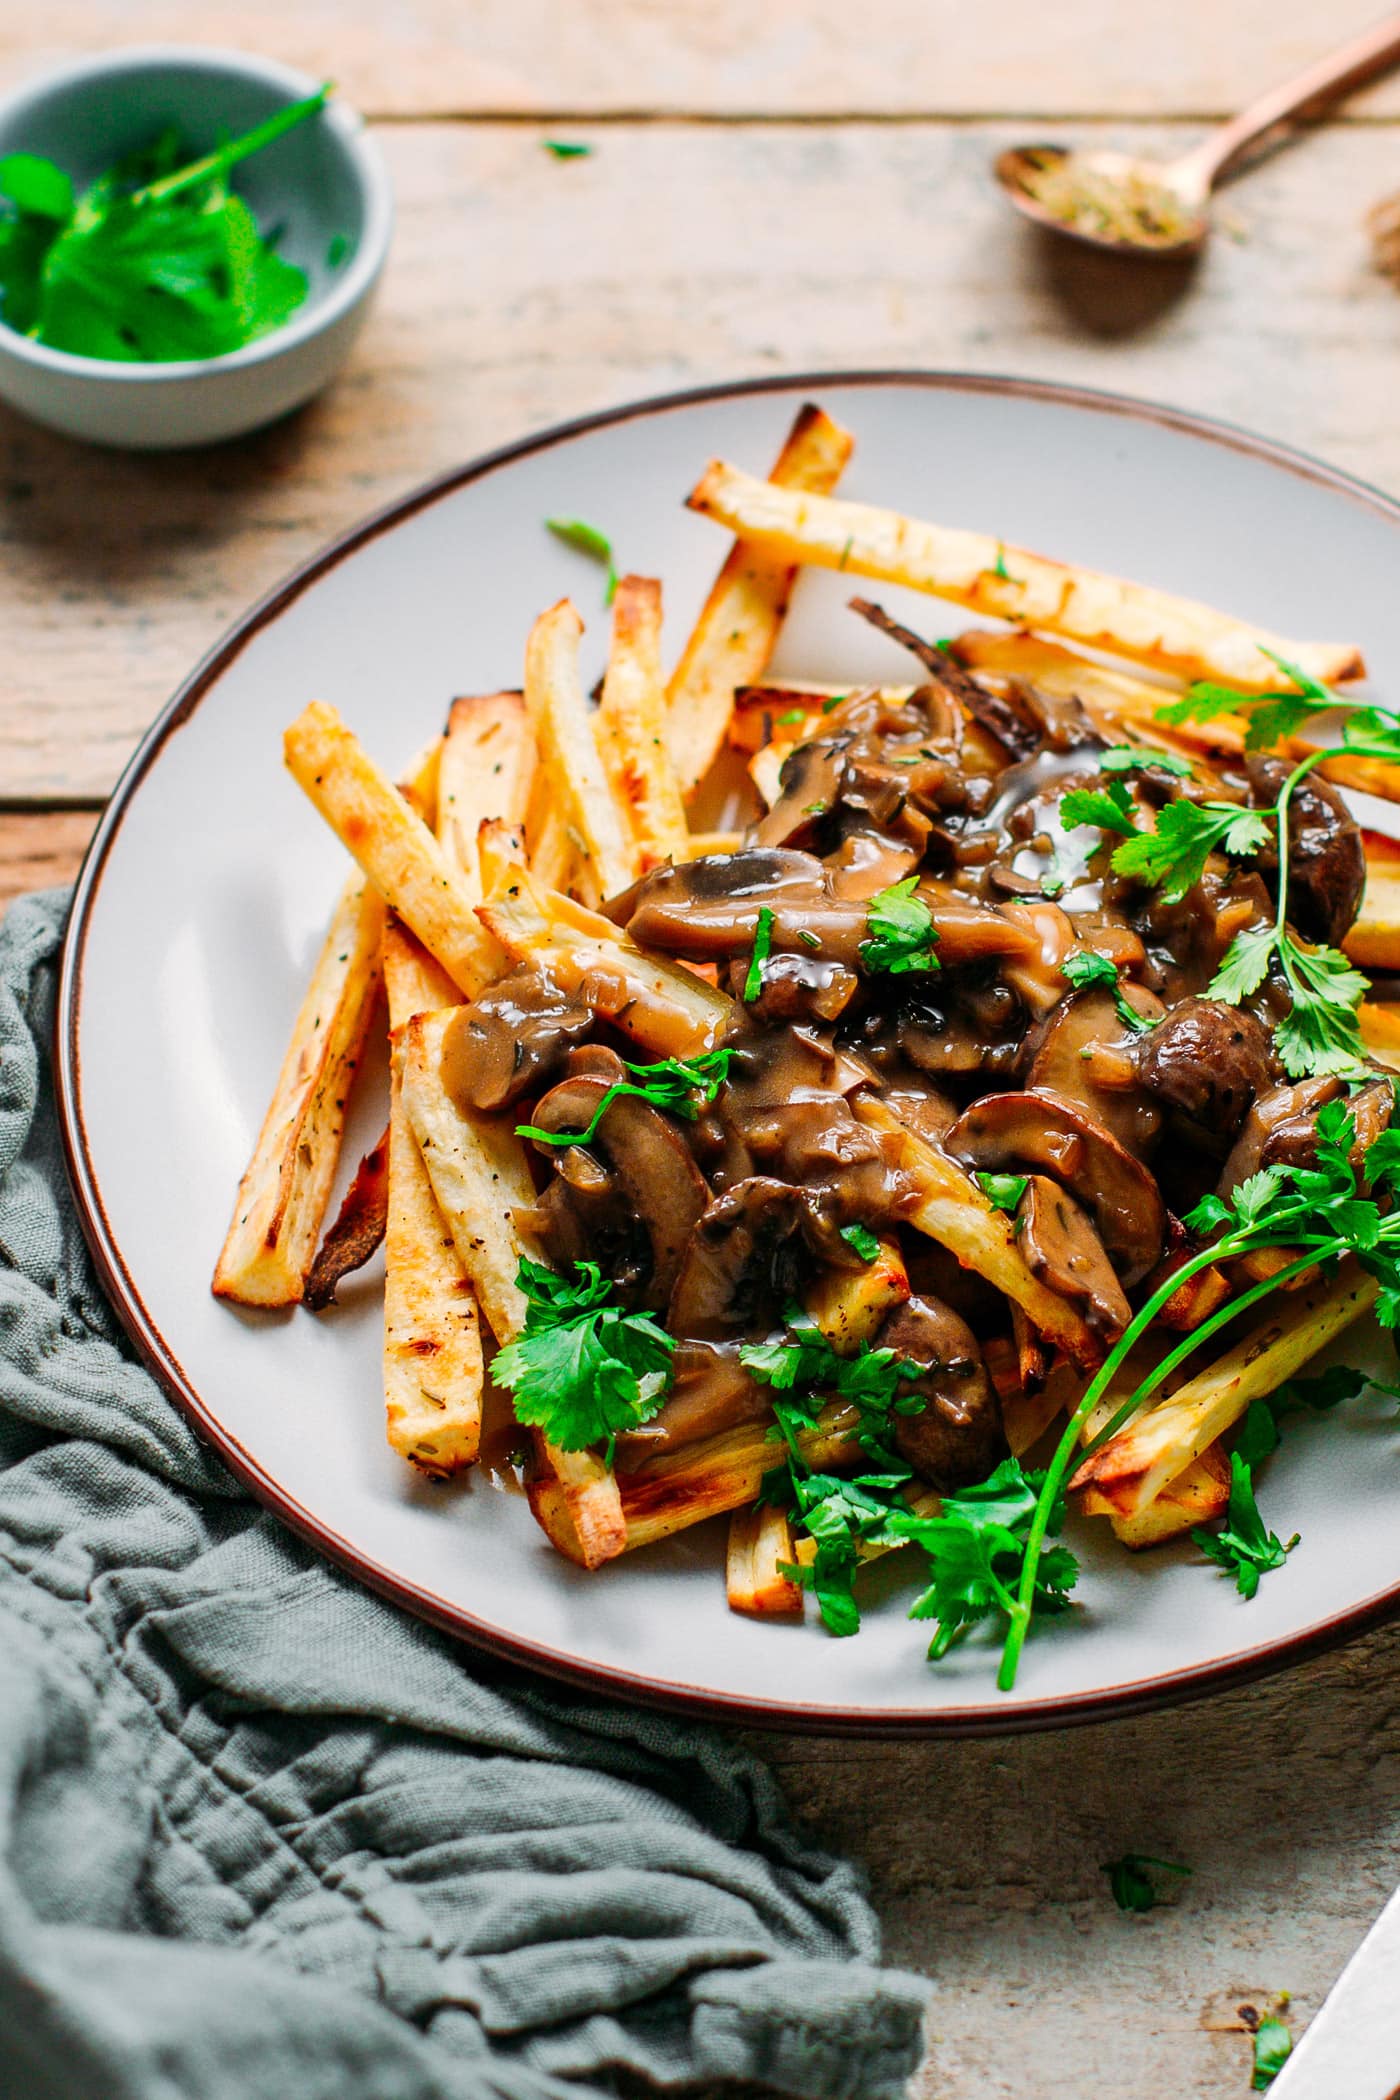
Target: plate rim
1140,1695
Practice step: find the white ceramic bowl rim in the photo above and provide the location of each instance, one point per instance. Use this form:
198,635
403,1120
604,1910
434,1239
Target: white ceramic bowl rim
310,319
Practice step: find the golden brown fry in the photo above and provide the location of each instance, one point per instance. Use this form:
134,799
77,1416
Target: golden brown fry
848,1305
488,764
500,852
551,851
631,727
1011,583
568,748
660,1005
766,771
433,1372
575,1500
284,1191
392,844
739,625
357,1231
1199,1494
679,1488
1374,940
760,1547
1380,1032
701,843
1133,1467
954,1211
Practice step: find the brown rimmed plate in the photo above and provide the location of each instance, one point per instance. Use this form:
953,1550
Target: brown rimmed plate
202,902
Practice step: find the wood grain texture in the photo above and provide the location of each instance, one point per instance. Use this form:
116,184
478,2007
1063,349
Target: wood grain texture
728,57
512,300
985,1865
41,848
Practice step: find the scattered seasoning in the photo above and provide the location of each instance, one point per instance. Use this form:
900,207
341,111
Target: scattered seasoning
999,567
794,714
156,261
833,702
567,149
808,940
1130,208
845,553
863,1240
1003,1191
762,943
814,809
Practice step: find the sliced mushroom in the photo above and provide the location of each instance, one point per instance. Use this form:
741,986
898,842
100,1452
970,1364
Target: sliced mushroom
647,1156
1279,1129
1062,1248
1013,730
1326,856
738,1265
957,1437
1208,1060
810,785
1085,1051
508,1042
795,988
1038,1133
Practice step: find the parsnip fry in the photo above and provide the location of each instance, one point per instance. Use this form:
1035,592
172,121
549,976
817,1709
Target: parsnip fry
500,851
760,1547
848,1305
724,1472
1011,583
488,764
631,727
954,1211
284,1191
568,748
1380,1032
665,1008
1199,1494
392,844
1374,940
482,1183
432,1338
1132,1469
739,625
357,1231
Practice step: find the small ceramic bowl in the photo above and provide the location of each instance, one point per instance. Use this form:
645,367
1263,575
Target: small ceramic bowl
323,185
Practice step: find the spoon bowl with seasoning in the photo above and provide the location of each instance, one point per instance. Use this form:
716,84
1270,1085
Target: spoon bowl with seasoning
189,244
1133,205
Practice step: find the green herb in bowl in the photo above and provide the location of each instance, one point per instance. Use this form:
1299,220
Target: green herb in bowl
157,261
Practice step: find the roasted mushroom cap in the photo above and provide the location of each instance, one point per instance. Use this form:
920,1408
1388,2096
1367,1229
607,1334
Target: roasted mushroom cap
1038,1133
1326,855
1281,1128
739,1261
508,1042
644,1152
1085,1051
957,1437
1062,1248
1208,1060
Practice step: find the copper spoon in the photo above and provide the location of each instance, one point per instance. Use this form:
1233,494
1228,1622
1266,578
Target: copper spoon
1168,199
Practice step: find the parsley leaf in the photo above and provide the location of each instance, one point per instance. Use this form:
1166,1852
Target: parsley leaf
567,149
1173,855
1244,965
762,944
1110,808
1086,967
860,1237
1243,1547
1131,1879
671,1085
36,186
901,929
1273,2045
976,1547
582,1370
1003,1191
586,539
1137,758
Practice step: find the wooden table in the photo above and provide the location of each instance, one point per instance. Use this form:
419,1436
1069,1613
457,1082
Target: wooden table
799,186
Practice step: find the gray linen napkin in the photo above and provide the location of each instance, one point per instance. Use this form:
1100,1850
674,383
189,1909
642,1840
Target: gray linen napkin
264,1837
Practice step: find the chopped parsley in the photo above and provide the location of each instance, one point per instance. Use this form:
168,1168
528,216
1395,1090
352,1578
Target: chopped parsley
1003,1191
977,1547
791,715
762,945
1110,808
567,149
1087,967
866,1245
671,1085
582,1370
1273,2045
1243,1548
1172,857
809,940
1132,1879
586,539
901,931
1135,758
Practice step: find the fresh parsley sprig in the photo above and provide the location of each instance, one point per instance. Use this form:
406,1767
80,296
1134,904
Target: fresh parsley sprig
1243,1547
671,1085
1323,1213
1087,967
583,1370
977,1547
902,935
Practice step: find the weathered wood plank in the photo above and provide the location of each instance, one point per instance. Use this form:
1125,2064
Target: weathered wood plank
41,848
985,1866
728,57
513,300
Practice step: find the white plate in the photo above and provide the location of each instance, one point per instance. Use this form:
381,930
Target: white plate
203,902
